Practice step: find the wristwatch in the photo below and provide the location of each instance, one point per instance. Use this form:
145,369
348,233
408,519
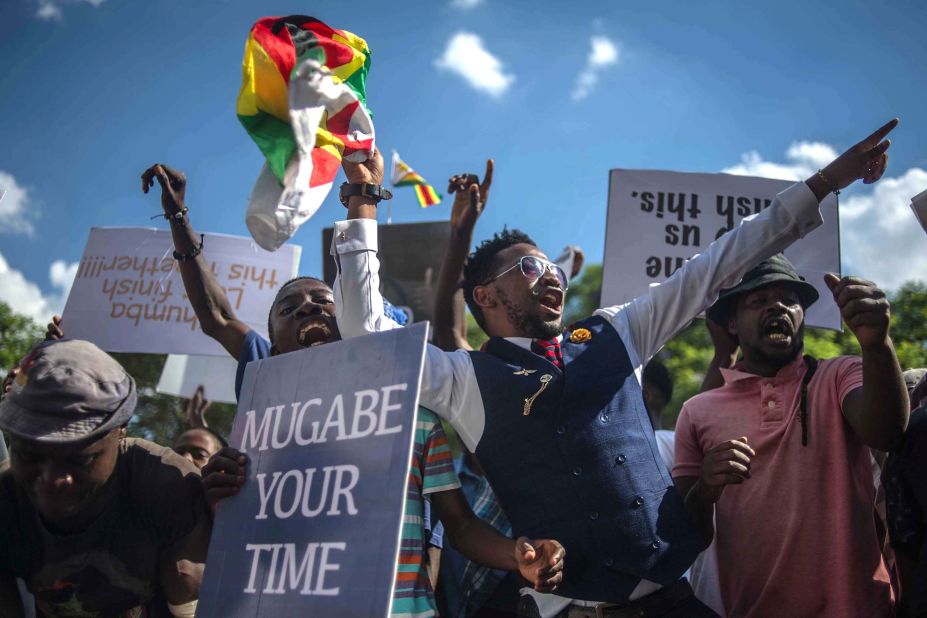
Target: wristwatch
377,192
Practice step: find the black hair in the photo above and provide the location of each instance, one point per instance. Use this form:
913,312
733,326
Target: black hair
270,313
659,377
480,264
222,441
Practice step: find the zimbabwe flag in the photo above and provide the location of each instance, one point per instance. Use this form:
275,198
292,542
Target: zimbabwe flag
405,176
274,49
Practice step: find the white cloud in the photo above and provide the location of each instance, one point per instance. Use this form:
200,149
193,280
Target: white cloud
882,240
466,56
466,5
603,54
26,298
16,213
802,160
52,9
48,10
880,237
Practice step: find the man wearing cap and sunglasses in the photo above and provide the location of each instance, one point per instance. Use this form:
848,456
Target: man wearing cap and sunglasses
780,454
557,419
94,523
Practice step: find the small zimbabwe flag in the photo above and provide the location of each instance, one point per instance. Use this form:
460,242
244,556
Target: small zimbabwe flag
405,176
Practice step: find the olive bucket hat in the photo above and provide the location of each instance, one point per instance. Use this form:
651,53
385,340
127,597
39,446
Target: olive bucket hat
777,269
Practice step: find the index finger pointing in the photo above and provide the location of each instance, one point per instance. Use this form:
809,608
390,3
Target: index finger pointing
487,177
880,133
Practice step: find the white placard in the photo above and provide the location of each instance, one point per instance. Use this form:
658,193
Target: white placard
183,373
128,295
657,220
919,206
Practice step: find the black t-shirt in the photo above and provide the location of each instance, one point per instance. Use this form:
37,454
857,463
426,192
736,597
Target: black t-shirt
110,570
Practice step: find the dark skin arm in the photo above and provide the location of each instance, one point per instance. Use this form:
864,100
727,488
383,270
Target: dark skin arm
10,602
877,411
181,566
866,160
208,299
725,356
450,324
725,464
540,562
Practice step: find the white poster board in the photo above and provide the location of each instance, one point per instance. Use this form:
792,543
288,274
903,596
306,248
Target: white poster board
128,295
183,373
657,220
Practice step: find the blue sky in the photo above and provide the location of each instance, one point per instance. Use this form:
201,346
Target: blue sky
95,91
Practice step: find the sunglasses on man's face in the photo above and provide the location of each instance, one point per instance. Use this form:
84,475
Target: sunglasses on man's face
533,268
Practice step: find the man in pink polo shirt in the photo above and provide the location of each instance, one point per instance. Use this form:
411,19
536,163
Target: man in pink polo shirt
790,483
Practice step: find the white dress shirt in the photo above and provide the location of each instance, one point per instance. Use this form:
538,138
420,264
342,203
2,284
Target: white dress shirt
645,324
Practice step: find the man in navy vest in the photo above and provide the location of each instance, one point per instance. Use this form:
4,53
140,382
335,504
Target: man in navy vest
557,419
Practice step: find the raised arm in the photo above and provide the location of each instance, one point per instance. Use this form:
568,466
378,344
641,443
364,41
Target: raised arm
726,348
449,386
209,301
449,316
878,410
652,319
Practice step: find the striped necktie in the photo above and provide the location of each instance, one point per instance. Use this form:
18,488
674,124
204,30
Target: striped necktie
549,349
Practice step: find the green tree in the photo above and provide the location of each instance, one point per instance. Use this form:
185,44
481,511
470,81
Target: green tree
18,334
688,354
161,418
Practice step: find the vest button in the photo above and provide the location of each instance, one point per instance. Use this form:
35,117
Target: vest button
577,471
654,546
593,514
609,562
639,501
620,459
561,430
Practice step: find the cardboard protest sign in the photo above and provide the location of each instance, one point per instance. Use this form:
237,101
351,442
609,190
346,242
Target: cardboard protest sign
410,256
183,373
315,529
657,220
128,295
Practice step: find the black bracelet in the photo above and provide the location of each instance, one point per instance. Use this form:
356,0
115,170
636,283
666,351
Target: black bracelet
183,257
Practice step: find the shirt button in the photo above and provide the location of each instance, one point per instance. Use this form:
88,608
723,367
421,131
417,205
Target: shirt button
593,515
605,418
620,459
639,501
609,562
342,235
771,404
577,471
561,430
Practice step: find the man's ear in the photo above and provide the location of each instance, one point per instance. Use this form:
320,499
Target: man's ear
484,297
731,321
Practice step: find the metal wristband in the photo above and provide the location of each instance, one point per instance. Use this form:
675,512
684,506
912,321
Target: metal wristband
830,185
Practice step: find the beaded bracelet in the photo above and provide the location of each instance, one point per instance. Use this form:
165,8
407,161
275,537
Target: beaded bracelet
177,216
827,182
183,257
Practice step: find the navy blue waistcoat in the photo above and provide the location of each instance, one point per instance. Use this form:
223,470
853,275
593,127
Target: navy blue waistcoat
583,466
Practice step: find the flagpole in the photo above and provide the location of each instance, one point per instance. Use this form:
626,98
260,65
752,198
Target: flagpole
389,212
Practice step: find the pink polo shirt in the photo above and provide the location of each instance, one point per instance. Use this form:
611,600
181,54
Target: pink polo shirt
798,538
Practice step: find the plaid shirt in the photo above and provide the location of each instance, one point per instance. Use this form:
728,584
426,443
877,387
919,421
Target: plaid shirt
475,584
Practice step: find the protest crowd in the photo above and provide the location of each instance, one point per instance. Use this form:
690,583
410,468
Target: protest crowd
790,485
